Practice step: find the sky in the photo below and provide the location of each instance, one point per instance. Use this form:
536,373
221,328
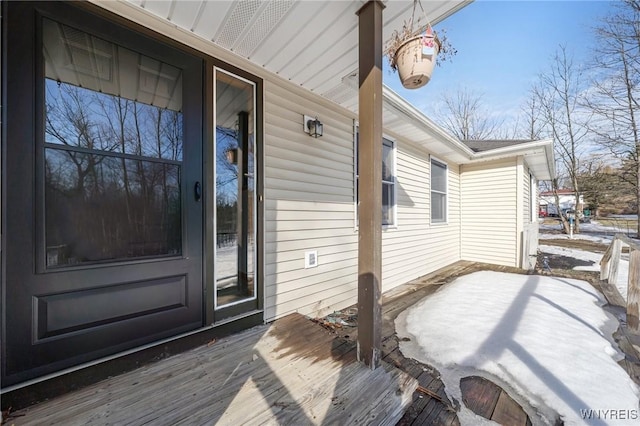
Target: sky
503,46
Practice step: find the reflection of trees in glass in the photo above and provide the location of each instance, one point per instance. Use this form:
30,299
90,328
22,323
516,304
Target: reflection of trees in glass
227,181
112,177
83,118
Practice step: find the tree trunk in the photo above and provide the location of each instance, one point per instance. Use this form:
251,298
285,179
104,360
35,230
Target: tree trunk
563,220
638,200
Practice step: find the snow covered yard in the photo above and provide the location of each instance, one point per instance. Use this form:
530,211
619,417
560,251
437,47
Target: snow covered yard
545,340
595,228
589,256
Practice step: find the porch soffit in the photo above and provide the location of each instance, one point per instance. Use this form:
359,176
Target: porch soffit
312,43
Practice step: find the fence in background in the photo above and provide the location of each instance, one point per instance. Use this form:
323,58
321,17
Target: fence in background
609,266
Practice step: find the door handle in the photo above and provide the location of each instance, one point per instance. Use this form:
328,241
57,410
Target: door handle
197,191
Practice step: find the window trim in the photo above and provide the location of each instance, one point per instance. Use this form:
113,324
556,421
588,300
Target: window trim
394,208
444,220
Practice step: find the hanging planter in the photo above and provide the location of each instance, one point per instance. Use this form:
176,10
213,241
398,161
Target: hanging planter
413,53
415,59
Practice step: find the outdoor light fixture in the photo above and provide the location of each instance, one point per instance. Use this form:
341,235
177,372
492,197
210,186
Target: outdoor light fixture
232,155
313,126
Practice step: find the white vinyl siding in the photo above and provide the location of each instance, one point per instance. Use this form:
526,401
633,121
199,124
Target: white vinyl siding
308,200
416,248
489,212
309,196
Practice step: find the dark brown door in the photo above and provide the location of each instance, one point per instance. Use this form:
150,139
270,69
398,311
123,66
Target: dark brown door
102,164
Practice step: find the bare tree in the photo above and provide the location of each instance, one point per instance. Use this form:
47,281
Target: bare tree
464,115
532,123
559,94
615,97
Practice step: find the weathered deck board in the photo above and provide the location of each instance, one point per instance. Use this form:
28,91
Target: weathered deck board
490,401
290,372
480,395
508,412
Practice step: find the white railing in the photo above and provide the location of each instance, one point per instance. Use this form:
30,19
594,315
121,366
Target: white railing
609,266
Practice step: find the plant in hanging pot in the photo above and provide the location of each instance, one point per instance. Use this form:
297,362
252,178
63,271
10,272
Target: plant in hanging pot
413,54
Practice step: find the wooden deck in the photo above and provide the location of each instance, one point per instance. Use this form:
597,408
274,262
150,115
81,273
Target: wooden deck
289,372
292,371
430,405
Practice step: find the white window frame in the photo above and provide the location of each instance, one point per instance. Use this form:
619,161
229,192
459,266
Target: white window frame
393,182
444,220
394,209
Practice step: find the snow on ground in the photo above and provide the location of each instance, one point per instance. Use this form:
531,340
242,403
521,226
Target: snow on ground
623,267
227,261
602,239
545,340
594,227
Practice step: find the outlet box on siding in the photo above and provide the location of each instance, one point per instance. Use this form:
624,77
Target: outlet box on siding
310,259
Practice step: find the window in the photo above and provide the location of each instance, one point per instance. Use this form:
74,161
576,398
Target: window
533,192
113,160
438,192
388,180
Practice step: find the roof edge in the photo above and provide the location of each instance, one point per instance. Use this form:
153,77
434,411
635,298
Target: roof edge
521,149
403,106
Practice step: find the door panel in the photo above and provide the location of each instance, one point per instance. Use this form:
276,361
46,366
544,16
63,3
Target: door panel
102,152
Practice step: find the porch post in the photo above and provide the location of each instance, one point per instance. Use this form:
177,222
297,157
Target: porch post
370,182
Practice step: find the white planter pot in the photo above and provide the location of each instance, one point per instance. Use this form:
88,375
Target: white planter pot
414,67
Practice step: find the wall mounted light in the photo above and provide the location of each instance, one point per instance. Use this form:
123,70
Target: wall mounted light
232,155
313,126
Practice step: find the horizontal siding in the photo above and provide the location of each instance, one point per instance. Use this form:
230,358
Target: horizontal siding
308,206
489,212
415,247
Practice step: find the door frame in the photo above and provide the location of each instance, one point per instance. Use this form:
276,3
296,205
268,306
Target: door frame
242,309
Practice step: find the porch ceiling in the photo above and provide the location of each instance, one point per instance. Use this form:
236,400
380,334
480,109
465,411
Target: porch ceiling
311,43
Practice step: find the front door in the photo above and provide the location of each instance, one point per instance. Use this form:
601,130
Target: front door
102,164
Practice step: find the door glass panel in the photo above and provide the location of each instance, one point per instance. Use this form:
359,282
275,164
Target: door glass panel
235,194
112,152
